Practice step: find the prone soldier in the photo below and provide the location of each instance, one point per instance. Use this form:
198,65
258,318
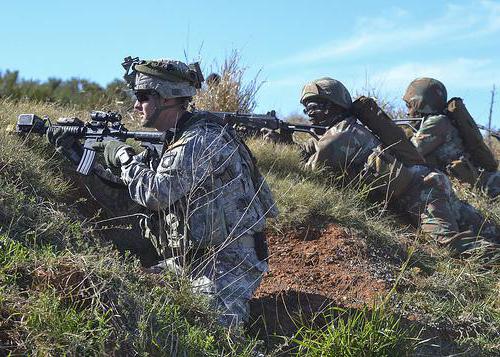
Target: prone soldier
451,143
389,164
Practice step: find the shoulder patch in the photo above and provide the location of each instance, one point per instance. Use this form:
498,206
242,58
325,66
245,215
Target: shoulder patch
168,159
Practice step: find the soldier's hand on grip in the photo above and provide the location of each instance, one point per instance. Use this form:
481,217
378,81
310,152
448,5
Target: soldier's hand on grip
282,136
116,153
61,139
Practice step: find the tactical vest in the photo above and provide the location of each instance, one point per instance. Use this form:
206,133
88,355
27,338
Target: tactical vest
474,143
262,200
393,137
263,194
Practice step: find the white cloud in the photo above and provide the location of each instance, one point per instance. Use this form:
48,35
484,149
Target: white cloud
458,73
398,30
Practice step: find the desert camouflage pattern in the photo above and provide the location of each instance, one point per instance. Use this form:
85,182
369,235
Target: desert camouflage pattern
428,199
206,201
426,96
172,87
439,141
328,89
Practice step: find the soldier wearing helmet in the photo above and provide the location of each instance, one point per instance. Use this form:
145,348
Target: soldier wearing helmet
350,149
206,201
438,138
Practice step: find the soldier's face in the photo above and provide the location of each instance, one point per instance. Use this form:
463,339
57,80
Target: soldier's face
316,111
411,112
322,112
146,104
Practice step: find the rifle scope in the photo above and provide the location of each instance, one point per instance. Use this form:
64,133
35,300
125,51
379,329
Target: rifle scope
111,117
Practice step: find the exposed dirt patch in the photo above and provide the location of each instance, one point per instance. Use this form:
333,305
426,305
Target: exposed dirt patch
316,268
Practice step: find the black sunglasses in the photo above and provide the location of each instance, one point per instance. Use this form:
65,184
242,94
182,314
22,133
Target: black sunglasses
144,96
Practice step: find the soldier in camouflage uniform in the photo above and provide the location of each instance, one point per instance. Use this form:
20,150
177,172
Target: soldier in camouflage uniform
206,201
439,140
349,148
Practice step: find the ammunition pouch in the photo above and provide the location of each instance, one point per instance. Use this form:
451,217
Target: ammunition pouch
463,170
388,176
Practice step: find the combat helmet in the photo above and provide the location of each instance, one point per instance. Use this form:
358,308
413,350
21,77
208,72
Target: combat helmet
426,96
169,78
328,89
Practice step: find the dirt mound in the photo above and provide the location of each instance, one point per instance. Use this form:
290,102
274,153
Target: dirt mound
314,268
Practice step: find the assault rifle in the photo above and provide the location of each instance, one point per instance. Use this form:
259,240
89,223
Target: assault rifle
103,126
269,121
409,121
106,126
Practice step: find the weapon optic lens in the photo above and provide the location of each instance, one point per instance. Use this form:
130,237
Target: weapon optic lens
105,116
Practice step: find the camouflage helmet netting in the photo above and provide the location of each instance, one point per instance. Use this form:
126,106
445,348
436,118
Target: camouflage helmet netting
426,96
328,89
164,77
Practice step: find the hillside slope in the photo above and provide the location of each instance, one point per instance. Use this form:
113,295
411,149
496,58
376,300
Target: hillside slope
66,288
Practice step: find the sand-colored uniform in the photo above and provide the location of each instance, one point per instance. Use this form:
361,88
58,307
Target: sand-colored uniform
439,141
427,196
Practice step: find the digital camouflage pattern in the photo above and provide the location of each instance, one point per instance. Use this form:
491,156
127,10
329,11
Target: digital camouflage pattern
428,198
202,205
169,78
439,141
328,89
426,96
207,201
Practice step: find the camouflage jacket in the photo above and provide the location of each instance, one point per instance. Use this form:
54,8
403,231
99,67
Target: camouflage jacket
355,153
344,147
439,141
205,187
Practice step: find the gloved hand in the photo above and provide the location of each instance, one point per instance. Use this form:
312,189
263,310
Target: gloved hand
61,139
115,152
283,136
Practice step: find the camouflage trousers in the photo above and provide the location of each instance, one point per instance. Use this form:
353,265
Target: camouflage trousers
228,278
433,206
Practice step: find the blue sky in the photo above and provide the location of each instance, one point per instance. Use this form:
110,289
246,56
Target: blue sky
382,44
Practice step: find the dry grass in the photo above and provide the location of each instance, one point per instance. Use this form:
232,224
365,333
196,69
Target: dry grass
61,297
231,93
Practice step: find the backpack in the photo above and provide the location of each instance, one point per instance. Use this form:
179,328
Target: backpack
480,154
393,137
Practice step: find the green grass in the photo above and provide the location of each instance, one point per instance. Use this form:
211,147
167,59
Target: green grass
64,289
304,196
366,332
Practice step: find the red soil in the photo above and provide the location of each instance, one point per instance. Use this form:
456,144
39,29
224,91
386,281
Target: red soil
315,268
